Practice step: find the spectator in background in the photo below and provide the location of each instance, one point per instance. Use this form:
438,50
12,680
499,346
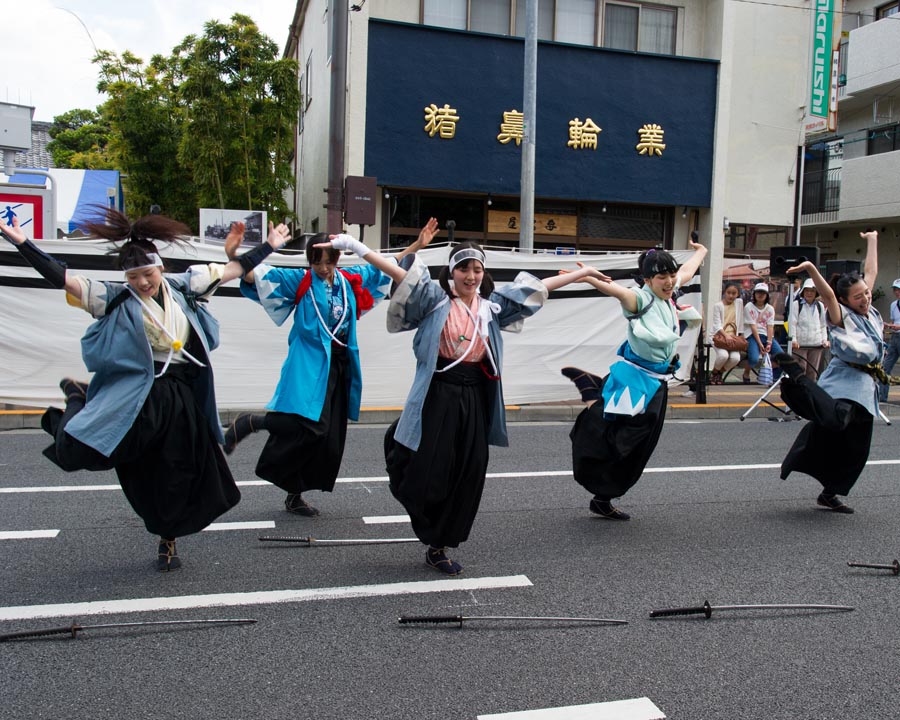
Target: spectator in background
728,316
893,346
759,321
807,326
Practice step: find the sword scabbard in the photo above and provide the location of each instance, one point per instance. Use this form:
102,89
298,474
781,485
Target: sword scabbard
25,634
704,609
430,620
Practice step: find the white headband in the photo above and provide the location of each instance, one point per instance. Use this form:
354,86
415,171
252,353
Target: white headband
466,254
155,261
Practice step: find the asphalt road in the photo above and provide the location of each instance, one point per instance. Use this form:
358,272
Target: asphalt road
332,648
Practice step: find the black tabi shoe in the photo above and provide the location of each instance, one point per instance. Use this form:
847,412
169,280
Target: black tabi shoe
605,509
789,366
437,559
833,503
241,427
294,503
73,389
167,556
590,386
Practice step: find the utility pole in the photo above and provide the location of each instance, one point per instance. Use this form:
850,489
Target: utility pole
529,112
338,111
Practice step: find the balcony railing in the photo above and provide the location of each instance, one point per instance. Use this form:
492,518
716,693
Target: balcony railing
821,191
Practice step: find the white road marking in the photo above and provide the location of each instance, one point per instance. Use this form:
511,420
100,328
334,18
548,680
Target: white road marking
498,475
635,709
385,519
245,525
262,597
23,534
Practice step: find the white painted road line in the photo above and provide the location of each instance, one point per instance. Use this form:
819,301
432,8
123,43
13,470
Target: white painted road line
379,479
27,534
246,525
263,597
636,709
385,519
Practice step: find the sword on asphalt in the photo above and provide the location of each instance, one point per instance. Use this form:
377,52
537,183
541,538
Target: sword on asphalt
894,567
707,609
75,628
310,541
458,620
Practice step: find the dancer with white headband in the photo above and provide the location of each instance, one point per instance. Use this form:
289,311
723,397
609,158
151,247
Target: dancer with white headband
149,411
615,435
321,379
437,452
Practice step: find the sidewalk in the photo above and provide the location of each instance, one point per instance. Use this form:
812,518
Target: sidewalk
723,402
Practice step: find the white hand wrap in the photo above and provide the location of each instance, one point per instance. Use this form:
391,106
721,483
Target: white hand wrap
346,242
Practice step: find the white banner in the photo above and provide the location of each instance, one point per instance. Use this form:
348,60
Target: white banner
40,334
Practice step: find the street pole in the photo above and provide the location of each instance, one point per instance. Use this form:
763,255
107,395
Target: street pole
338,111
529,112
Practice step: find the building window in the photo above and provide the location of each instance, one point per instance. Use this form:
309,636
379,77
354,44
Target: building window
446,13
490,16
487,16
575,21
307,85
643,28
822,176
883,139
887,10
546,10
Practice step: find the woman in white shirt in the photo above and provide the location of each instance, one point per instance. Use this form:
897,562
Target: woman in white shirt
806,324
728,316
759,318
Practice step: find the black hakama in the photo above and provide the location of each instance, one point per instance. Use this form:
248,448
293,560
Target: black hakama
440,484
609,456
303,454
834,446
170,465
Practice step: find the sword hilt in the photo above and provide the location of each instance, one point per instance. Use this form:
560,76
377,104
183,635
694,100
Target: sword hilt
894,567
287,538
704,609
431,620
71,630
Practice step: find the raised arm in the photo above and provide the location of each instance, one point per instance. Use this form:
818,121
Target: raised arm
689,269
426,235
605,284
826,294
388,266
51,269
243,266
871,267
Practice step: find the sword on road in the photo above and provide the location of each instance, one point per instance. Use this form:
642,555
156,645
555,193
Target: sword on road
707,609
458,620
894,567
75,628
310,541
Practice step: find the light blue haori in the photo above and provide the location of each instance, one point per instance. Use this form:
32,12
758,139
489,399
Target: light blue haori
652,337
422,304
304,373
859,341
116,350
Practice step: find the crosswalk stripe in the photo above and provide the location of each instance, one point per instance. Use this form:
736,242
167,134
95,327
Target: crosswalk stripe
27,534
634,709
242,525
262,597
385,519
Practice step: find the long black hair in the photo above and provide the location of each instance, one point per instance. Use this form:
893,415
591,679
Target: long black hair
487,282
134,241
841,284
655,262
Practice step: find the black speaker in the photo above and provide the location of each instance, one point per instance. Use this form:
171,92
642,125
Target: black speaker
781,258
839,267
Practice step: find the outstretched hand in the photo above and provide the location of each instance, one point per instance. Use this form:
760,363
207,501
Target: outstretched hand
278,235
13,232
802,267
427,233
234,239
591,272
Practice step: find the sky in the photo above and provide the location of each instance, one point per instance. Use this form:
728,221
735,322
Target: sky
45,54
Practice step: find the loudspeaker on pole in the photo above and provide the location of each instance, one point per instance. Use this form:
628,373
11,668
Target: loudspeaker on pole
781,258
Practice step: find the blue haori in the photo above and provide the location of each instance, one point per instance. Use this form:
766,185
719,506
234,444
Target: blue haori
632,383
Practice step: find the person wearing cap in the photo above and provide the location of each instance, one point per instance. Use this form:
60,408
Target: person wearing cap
149,411
759,326
320,386
807,327
437,451
892,354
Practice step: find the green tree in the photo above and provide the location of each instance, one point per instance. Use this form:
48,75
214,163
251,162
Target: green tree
79,141
212,125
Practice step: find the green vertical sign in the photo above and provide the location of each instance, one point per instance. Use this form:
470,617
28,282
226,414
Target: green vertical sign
821,58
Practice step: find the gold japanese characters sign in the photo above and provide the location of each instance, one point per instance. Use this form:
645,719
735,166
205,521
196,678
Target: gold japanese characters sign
501,221
581,134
